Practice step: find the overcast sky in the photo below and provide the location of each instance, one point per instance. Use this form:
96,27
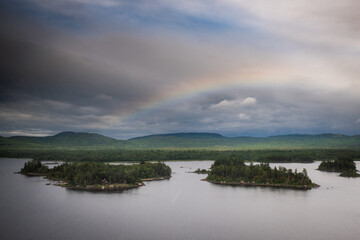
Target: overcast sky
127,68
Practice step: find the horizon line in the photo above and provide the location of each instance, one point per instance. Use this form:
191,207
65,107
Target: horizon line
177,133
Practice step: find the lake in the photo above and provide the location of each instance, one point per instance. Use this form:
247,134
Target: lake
183,207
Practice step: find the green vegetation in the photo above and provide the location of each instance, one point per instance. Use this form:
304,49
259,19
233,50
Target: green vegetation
234,171
216,141
284,156
349,173
99,176
34,168
338,165
64,140
346,166
201,171
72,141
78,147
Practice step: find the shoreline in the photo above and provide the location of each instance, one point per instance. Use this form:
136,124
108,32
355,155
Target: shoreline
155,179
113,187
342,173
332,171
247,184
102,187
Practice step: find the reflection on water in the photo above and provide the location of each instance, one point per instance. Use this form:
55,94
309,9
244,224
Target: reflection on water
180,208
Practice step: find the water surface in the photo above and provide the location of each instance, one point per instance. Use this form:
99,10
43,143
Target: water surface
180,208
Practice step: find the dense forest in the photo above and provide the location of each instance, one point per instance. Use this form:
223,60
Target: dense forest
77,147
34,168
270,156
346,166
235,172
83,174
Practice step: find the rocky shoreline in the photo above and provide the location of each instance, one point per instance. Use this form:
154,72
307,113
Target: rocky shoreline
297,187
154,179
106,187
101,187
109,187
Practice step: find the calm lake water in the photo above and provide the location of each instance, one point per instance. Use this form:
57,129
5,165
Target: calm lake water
180,208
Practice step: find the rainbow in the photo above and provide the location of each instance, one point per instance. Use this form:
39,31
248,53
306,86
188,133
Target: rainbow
196,89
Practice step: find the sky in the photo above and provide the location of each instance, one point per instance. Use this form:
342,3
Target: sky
128,68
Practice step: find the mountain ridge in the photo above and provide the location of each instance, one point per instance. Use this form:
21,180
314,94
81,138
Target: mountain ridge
76,140
183,135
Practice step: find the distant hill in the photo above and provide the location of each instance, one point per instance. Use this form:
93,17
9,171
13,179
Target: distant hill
217,141
184,135
83,140
61,140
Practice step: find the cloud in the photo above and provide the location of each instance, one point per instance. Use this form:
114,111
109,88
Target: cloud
28,132
231,104
72,7
243,116
357,121
103,97
249,101
57,105
126,68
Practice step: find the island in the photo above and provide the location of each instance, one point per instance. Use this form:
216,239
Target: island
95,176
344,165
201,171
235,172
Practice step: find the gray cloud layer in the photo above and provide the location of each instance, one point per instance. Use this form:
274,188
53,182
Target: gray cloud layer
102,66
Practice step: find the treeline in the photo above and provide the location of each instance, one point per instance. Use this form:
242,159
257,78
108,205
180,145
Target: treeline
201,171
236,171
339,165
90,173
346,166
34,168
280,156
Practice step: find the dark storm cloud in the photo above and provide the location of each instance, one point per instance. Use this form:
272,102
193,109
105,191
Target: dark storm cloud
53,78
117,67
46,73
33,74
44,86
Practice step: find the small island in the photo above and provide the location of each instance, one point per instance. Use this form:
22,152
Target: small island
345,166
94,176
201,171
235,172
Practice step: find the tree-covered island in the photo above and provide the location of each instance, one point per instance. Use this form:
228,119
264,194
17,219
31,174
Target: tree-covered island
94,176
236,172
201,171
345,166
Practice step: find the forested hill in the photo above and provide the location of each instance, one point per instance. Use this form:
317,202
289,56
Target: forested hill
72,140
217,141
61,140
184,135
